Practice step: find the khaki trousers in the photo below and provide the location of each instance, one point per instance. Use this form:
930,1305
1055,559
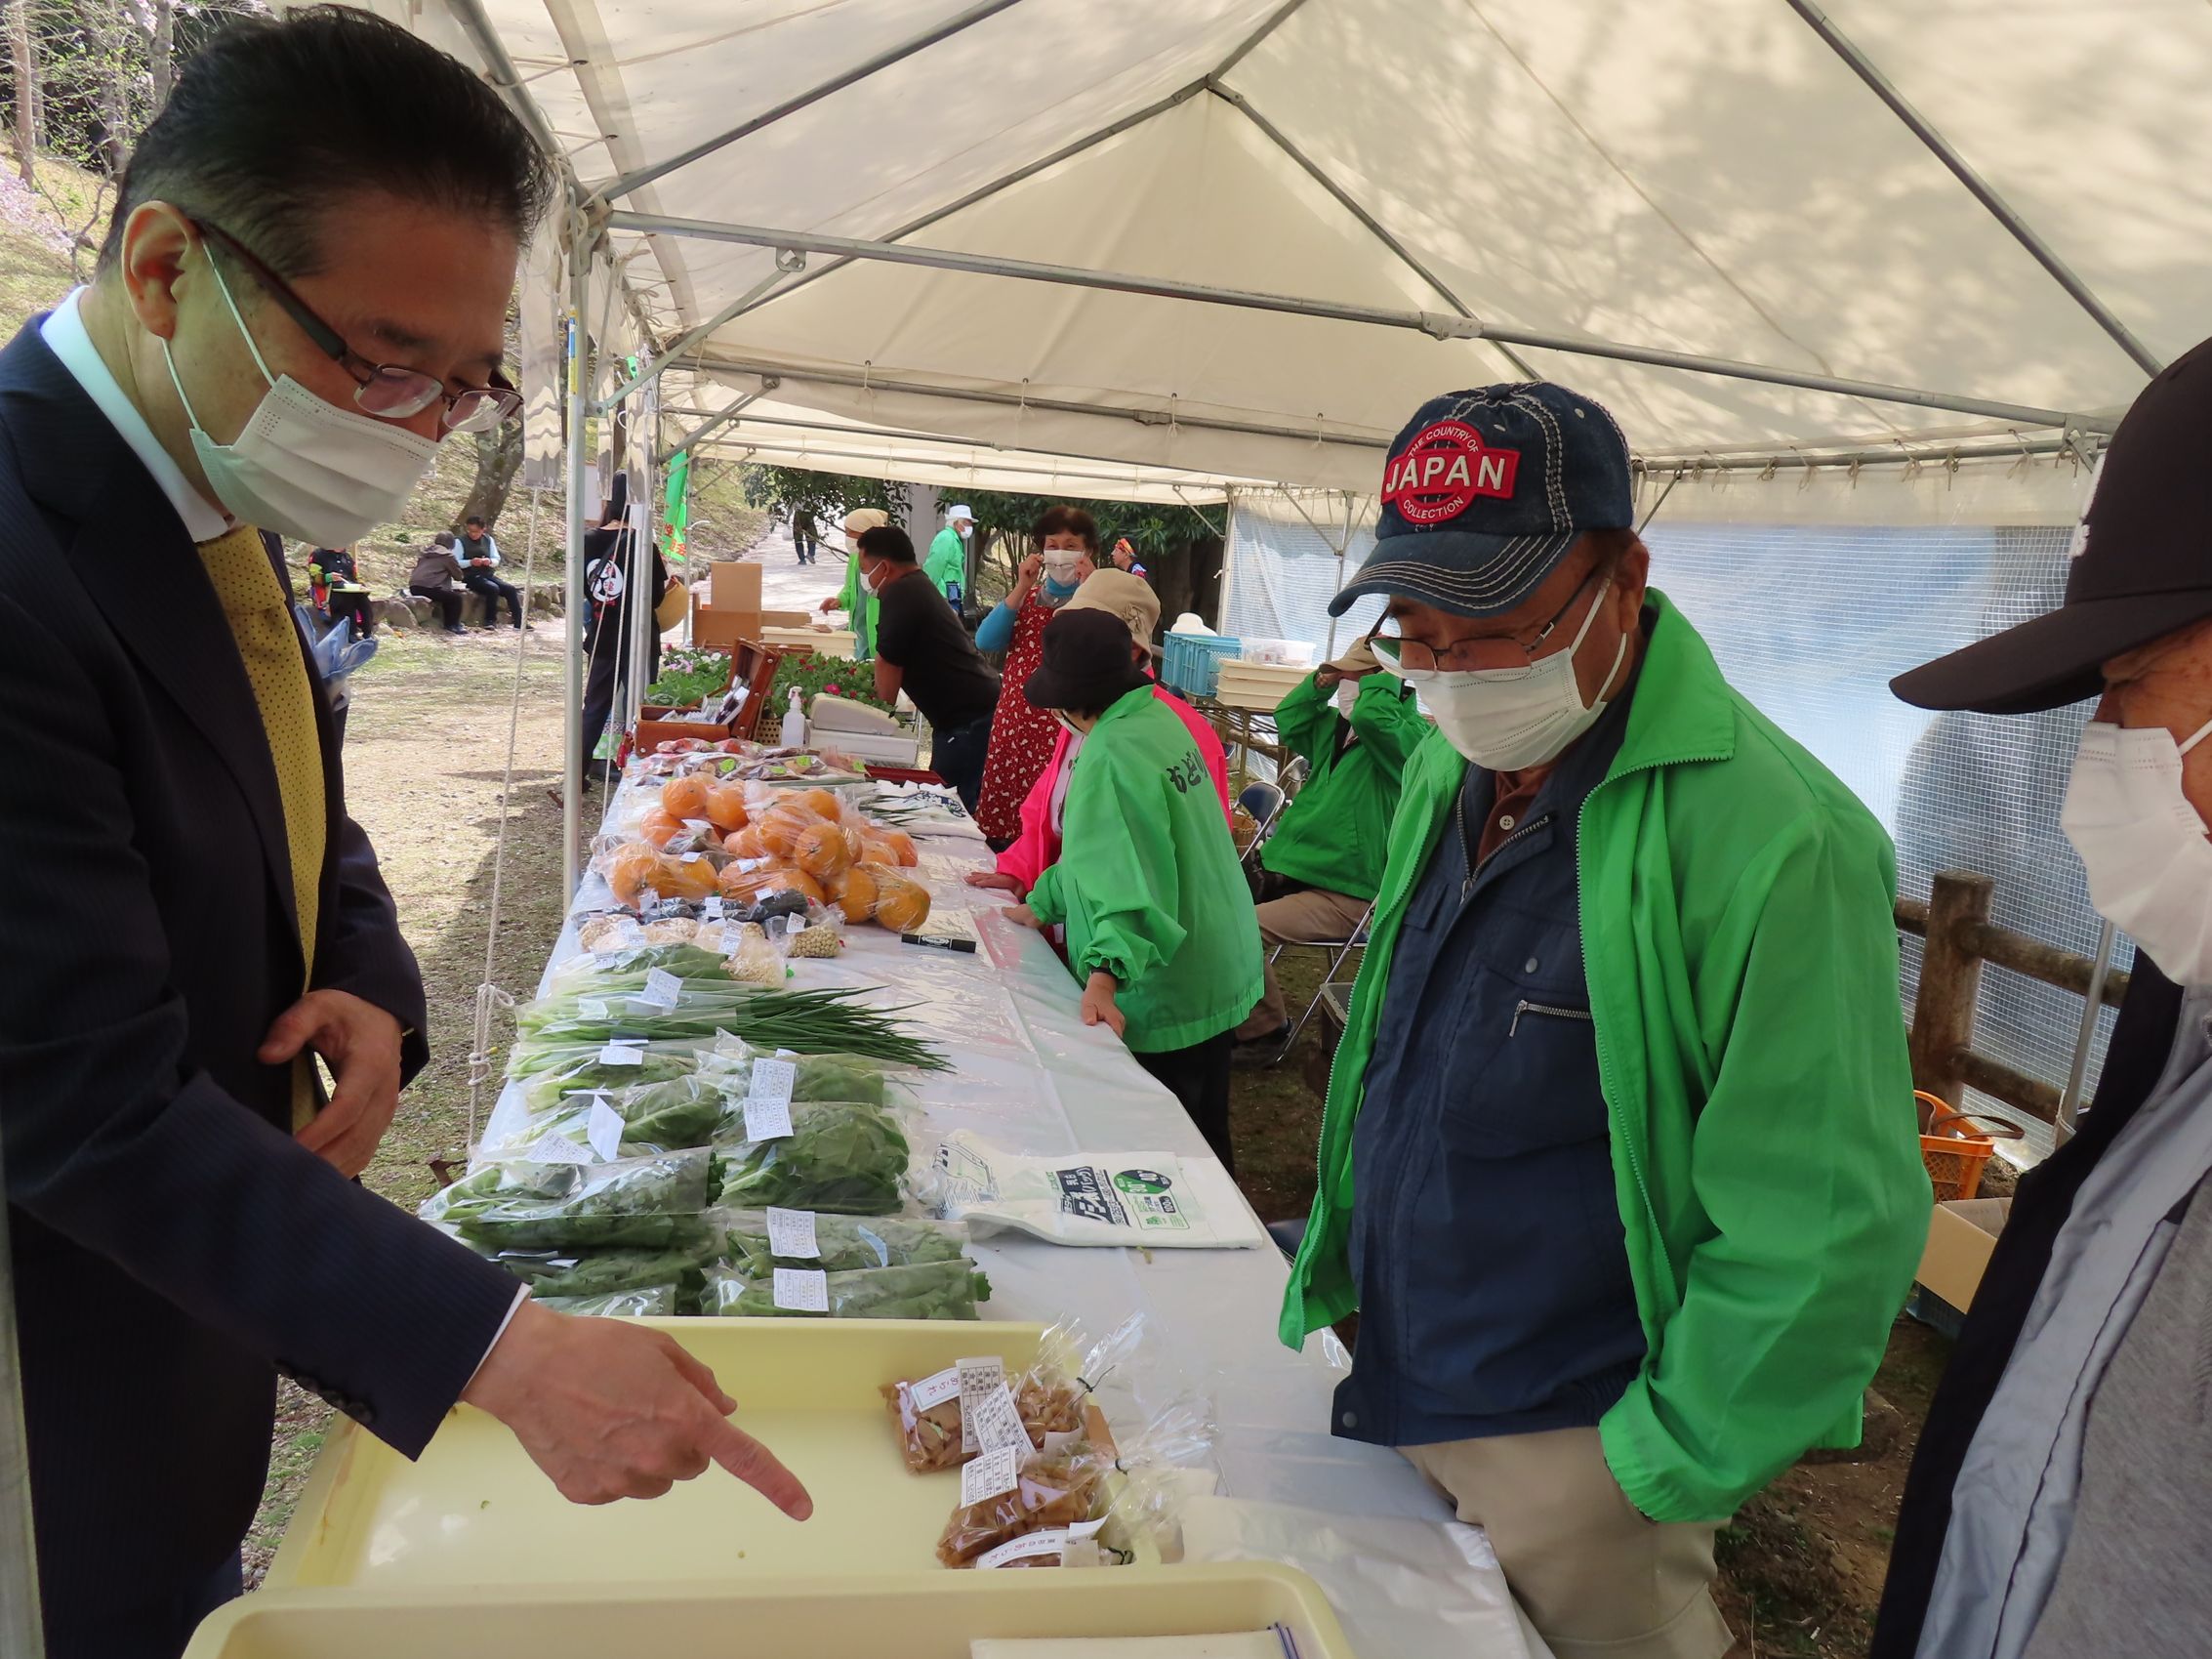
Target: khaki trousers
1596,1579
1297,918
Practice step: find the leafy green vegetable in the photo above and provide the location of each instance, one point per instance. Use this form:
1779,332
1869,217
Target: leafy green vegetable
561,1273
807,1022
622,973
638,1202
842,1157
850,1078
688,679
551,1072
847,1243
926,1289
650,1300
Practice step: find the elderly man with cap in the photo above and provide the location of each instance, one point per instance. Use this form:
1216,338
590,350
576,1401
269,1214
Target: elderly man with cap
947,562
1619,1161
2058,1500
1038,847
1321,865
1159,920
853,599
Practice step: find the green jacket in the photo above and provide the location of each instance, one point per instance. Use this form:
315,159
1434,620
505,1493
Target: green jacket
860,607
1742,969
946,563
1147,882
1335,833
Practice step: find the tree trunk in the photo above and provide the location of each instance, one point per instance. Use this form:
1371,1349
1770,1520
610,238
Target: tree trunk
25,66
161,55
499,458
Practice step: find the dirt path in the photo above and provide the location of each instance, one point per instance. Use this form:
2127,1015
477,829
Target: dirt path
425,749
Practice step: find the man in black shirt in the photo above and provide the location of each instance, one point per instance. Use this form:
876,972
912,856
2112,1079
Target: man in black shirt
921,648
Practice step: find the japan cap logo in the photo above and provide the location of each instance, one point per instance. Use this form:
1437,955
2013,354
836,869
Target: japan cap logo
1440,472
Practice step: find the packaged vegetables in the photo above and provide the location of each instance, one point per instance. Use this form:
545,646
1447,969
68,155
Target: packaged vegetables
833,1242
842,1156
922,1290
688,1011
654,1202
646,1302
558,1275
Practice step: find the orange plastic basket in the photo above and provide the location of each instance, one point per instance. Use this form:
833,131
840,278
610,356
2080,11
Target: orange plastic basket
1953,1149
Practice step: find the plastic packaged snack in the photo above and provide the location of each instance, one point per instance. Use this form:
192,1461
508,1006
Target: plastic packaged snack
840,1156
754,959
648,1302
924,1290
1006,1495
763,1240
651,1202
1052,1399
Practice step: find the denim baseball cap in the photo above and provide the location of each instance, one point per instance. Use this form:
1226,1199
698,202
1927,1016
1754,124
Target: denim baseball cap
1486,490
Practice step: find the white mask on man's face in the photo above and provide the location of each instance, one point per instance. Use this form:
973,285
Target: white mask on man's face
2143,843
302,467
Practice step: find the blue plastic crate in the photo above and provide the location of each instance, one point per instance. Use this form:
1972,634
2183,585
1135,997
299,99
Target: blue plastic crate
1195,669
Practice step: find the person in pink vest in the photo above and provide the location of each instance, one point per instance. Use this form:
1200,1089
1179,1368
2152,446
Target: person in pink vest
1038,847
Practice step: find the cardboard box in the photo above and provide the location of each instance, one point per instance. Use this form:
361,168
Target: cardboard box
720,627
1960,1237
734,584
788,618
654,729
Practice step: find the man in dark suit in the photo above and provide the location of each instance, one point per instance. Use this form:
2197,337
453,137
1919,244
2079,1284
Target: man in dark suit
286,316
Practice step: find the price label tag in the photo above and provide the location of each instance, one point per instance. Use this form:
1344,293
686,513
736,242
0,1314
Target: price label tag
1050,1541
710,908
988,1476
767,1120
937,1390
795,925
662,988
791,1233
773,1080
989,1421
604,1130
622,1054
687,857
591,1008
700,826
802,1290
555,1149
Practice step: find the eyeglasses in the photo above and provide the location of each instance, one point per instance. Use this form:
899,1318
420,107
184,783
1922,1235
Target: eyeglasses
384,390
1506,655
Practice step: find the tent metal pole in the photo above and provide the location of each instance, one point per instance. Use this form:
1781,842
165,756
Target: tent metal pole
945,30
654,370
1274,21
2069,1103
644,500
1051,405
578,617
1351,205
728,415
1437,324
913,227
1897,454
22,1626
1978,187
819,458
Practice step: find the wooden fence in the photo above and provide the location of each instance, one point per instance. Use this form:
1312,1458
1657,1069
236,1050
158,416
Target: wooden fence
1955,920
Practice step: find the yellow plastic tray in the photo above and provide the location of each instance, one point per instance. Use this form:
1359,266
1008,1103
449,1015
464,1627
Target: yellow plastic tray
906,1616
476,1511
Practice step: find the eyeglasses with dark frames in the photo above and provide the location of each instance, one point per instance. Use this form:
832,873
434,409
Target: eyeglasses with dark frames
385,390
1411,653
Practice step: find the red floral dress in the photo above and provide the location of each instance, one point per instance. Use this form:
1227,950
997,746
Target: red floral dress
1021,736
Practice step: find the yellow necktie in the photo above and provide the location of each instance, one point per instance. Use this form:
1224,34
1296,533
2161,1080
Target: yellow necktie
269,643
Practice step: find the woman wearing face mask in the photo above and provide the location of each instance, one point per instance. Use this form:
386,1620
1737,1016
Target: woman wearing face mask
1159,922
1043,809
1021,735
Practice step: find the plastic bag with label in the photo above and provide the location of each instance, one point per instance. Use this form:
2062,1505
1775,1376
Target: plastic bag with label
662,1300
1053,1396
842,1156
921,1290
656,1202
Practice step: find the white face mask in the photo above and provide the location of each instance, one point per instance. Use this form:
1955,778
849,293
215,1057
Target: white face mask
302,467
1068,726
1505,718
1060,569
2149,867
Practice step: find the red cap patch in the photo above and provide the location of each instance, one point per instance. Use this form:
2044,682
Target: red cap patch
1438,475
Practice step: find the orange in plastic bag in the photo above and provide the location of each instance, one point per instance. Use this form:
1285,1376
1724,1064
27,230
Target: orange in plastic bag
820,850
684,797
725,807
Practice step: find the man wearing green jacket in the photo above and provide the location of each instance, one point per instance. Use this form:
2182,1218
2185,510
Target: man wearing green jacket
947,562
1158,919
1355,726
1620,1162
855,598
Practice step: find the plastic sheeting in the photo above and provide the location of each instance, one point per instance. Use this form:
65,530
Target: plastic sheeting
1701,176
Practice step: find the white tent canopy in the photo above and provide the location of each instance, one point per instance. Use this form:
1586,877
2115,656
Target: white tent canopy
1716,177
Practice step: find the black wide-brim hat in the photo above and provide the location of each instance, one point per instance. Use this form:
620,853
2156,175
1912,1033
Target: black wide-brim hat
2142,563
1086,662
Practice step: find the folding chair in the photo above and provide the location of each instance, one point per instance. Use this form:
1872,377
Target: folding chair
1264,803
1339,950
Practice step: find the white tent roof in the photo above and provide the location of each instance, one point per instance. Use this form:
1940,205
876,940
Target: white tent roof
1706,177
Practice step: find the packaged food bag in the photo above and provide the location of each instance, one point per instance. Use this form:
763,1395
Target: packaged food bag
1154,1199
922,1289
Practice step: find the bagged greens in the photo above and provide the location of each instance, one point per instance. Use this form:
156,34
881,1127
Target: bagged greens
926,1289
845,1243
814,1023
840,1156
622,972
551,1072
647,1301
568,1273
656,1117
816,1077
654,1201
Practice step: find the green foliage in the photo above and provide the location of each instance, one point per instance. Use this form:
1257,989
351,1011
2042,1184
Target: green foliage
688,676
829,496
1151,528
841,676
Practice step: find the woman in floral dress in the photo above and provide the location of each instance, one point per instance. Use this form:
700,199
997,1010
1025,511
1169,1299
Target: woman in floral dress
1022,736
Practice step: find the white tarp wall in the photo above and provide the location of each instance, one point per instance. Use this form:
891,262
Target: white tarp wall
1288,552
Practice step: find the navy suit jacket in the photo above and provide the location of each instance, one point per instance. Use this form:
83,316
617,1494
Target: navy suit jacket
174,1246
